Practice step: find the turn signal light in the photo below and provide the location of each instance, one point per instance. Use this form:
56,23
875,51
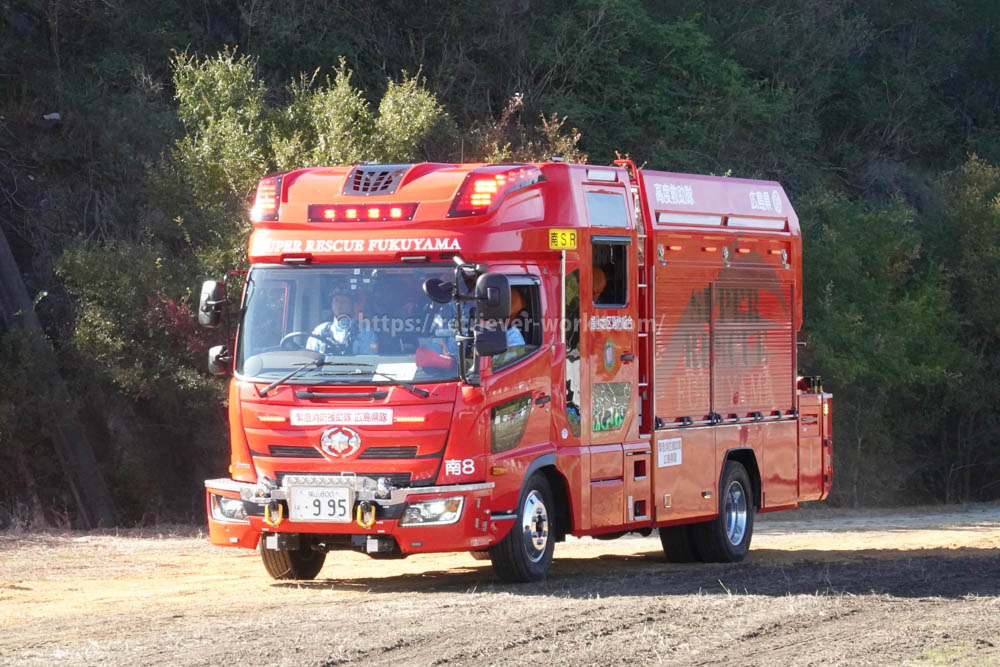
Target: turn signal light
484,188
352,212
271,419
265,204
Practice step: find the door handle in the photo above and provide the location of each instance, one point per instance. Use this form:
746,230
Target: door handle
628,356
542,400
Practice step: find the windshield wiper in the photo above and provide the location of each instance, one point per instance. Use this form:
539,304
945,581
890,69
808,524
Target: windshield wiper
316,363
422,393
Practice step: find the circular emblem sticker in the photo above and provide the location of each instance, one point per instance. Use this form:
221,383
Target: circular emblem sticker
340,441
609,354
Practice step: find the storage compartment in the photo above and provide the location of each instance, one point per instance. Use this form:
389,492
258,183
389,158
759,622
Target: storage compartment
637,482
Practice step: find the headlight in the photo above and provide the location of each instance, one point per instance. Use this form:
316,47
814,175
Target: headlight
228,509
437,512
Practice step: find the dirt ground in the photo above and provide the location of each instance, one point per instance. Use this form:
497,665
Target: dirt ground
820,586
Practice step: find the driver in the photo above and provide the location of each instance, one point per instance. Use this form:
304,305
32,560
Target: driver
341,334
516,320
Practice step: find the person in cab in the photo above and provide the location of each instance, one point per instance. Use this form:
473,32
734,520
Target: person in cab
341,335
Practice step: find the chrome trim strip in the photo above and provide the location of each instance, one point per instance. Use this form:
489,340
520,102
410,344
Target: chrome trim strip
363,487
400,495
225,484
503,516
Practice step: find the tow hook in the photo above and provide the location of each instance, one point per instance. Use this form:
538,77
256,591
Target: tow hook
364,507
277,508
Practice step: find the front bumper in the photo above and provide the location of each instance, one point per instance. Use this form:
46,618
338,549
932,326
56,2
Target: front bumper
266,509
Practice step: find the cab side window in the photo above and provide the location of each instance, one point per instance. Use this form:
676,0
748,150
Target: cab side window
610,273
524,326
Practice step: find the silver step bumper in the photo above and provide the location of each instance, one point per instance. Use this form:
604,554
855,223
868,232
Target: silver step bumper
364,488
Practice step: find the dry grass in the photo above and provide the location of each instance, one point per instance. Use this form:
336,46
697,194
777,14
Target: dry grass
805,596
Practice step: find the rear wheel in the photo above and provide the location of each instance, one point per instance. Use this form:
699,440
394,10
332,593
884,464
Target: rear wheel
678,544
301,564
726,538
525,553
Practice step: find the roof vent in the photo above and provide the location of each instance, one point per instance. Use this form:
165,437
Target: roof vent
375,179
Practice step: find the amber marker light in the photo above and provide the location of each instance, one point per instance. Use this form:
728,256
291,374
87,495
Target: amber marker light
409,420
276,419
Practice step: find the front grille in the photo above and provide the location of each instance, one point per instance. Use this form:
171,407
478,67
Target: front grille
398,479
290,451
389,453
378,179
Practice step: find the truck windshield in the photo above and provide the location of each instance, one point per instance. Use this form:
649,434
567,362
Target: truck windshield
366,324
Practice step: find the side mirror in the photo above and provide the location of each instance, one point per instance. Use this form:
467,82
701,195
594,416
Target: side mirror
438,290
489,340
218,360
213,298
493,296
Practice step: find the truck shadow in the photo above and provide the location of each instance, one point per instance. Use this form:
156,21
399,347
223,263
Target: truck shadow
947,573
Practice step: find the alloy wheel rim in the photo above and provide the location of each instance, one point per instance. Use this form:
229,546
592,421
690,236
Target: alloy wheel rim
736,513
535,526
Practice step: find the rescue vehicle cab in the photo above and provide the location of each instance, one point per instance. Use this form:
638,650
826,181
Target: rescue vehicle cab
487,358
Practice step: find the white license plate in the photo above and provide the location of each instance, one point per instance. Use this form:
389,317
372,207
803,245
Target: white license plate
319,503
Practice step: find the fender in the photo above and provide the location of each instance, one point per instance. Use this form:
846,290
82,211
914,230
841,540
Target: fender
504,520
751,464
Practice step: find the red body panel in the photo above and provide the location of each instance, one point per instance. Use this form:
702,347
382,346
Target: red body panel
695,366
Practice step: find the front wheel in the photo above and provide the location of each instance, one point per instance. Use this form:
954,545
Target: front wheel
726,538
525,553
300,564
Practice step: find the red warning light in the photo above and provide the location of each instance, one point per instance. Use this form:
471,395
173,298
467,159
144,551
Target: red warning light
354,213
485,187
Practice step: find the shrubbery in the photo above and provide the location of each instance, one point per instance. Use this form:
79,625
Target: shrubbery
867,112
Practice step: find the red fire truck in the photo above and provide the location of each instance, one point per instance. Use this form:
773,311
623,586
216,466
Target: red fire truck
488,358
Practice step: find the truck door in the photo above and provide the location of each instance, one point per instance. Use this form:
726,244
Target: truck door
608,299
520,386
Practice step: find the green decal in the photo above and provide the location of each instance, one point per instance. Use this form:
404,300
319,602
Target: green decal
611,401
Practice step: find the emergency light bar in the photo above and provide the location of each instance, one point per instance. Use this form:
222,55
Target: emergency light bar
484,188
356,213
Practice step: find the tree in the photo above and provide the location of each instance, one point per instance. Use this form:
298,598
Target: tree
963,232
135,327
879,332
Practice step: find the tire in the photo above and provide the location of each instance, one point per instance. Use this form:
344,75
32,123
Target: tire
525,553
726,538
301,564
480,555
678,544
